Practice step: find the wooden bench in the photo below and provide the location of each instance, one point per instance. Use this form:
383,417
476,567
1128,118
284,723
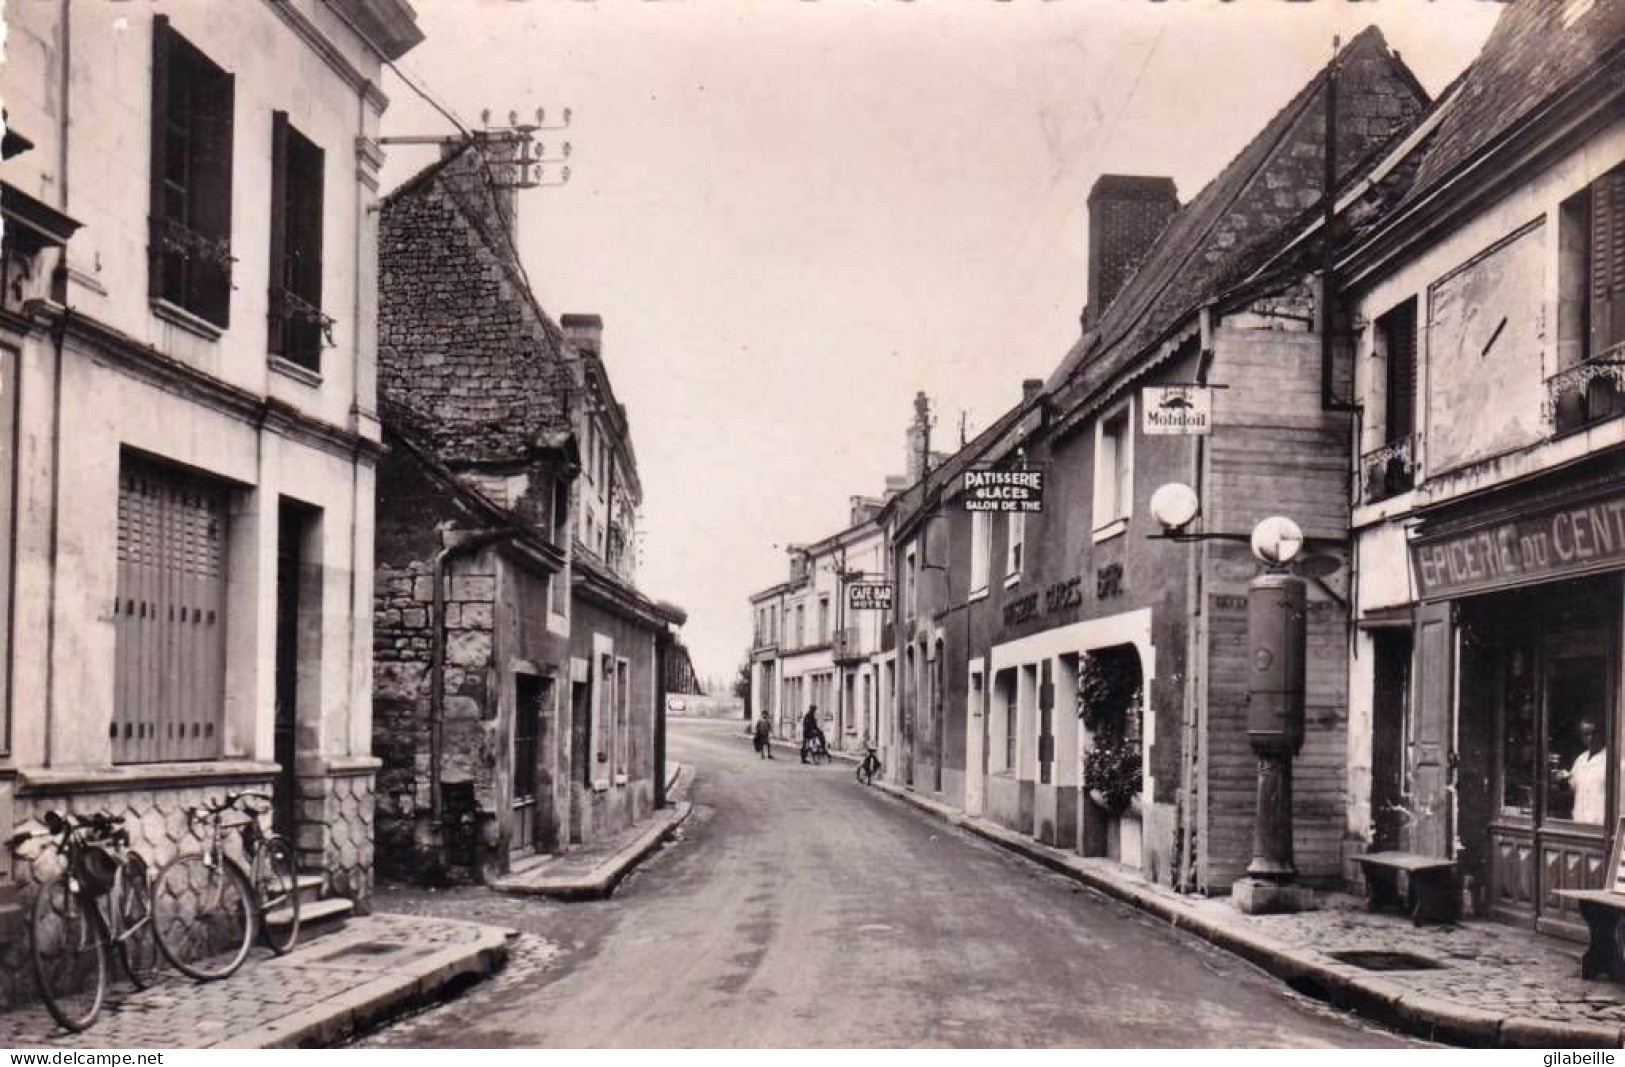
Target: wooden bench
1430,884
1601,909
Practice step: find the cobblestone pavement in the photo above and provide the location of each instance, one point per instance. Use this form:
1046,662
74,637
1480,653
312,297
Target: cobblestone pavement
179,1013
1485,965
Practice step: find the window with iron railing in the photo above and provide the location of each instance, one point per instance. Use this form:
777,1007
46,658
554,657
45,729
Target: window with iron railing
1391,469
297,329
189,244
1589,387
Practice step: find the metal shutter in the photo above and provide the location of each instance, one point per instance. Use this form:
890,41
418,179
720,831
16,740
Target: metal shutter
169,690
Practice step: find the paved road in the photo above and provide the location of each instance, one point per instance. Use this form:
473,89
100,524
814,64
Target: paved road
801,909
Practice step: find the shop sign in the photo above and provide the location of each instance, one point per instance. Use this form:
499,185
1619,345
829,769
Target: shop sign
1061,596
1557,542
1176,410
869,596
1021,490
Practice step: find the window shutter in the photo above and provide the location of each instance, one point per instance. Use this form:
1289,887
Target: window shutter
1401,400
310,225
275,318
1607,261
211,214
161,49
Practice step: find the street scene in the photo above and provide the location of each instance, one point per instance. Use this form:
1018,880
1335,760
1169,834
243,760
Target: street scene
822,525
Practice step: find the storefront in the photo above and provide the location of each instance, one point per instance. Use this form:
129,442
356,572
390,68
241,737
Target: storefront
1521,610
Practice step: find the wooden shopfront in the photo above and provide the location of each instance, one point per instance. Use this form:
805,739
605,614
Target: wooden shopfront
1519,635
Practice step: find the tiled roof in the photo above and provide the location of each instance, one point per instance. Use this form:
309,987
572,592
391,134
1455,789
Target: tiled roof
1248,211
1537,49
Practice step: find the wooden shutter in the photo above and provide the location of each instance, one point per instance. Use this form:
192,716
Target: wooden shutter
161,41
1608,262
1046,718
211,211
1433,675
170,622
276,319
1399,329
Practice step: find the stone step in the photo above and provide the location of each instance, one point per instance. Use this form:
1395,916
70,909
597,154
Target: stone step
312,886
520,864
317,918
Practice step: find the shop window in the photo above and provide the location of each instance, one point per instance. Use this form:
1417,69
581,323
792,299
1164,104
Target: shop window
189,248
1114,471
169,615
981,523
297,328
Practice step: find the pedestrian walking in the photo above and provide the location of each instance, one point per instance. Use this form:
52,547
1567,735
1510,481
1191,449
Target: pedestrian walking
763,738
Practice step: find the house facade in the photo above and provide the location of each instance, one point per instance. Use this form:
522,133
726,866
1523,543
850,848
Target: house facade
519,672
1067,672
1486,667
620,640
188,366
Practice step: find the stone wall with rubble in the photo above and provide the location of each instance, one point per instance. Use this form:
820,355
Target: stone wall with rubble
467,358
402,707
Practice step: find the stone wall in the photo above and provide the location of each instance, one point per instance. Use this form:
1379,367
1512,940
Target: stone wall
403,647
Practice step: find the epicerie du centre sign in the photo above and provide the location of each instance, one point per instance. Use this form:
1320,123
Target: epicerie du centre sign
1013,491
1556,542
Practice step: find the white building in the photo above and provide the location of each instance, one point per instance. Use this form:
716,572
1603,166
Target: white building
187,377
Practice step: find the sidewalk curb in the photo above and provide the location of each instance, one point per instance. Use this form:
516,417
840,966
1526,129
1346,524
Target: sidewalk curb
414,982
601,881
1304,970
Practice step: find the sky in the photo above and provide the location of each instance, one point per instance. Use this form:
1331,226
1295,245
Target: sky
794,215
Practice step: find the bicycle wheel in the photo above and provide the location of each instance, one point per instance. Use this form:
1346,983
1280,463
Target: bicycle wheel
137,943
276,885
70,955
203,916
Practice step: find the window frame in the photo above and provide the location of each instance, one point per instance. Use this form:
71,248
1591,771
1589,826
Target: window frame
1015,546
191,185
981,551
1113,495
296,326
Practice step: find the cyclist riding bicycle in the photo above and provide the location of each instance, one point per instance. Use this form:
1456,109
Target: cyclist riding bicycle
810,732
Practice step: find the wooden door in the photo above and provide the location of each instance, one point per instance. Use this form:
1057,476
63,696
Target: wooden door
1430,738
527,717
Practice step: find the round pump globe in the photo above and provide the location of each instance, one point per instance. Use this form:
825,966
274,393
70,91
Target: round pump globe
1174,505
1276,540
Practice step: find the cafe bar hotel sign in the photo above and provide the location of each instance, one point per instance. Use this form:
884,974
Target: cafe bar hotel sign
1562,542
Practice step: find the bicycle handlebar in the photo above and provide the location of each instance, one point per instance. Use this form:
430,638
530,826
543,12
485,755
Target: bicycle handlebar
96,827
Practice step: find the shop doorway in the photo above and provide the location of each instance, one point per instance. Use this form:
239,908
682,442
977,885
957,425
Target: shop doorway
1390,726
580,757
1539,677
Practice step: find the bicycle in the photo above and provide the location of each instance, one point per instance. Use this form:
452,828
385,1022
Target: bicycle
209,909
815,749
870,767
99,904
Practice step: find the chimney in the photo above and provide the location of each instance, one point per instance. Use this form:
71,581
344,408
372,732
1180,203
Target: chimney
585,333
1031,388
1127,212
919,438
